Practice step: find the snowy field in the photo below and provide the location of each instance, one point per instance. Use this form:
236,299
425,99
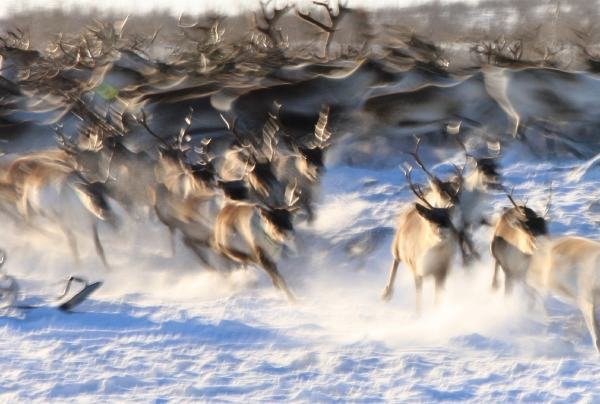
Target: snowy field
162,330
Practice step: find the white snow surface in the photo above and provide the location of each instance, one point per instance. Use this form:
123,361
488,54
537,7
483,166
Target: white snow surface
162,329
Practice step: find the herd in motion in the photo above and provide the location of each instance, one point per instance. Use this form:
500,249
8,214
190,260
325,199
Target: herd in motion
225,146
233,208
98,134
443,217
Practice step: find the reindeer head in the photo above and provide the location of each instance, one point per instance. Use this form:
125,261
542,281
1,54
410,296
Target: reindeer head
235,190
445,222
279,219
527,219
448,190
439,218
486,169
312,155
279,223
204,173
310,163
484,175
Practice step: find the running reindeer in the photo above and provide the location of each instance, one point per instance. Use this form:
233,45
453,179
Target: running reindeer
569,267
426,240
304,161
47,187
9,288
514,241
252,233
185,196
471,192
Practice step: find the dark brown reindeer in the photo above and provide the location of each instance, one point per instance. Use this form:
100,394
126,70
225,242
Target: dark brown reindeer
297,162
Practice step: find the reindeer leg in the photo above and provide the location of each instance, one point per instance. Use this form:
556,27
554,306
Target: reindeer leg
473,254
196,247
418,292
172,240
495,284
508,284
276,277
99,247
72,240
589,314
464,251
310,213
533,298
440,282
388,291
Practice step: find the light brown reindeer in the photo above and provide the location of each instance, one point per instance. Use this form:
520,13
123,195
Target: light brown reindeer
184,199
469,190
251,233
425,241
513,243
569,267
47,187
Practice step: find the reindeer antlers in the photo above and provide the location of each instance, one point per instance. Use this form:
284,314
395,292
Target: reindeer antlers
321,132
420,163
549,203
334,17
510,198
274,34
292,195
416,188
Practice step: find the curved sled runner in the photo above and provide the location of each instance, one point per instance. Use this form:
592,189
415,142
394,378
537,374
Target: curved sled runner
73,301
78,298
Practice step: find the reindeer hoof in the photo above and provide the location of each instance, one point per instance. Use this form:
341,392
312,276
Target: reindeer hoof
387,294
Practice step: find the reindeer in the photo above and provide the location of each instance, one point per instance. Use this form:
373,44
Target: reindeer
250,233
253,161
474,198
184,195
9,288
304,162
569,267
514,241
185,200
127,176
48,187
476,193
425,240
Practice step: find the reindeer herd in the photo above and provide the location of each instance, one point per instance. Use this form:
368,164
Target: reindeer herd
227,153
441,220
237,207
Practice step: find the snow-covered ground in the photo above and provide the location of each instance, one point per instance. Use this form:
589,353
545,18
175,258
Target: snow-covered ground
163,330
